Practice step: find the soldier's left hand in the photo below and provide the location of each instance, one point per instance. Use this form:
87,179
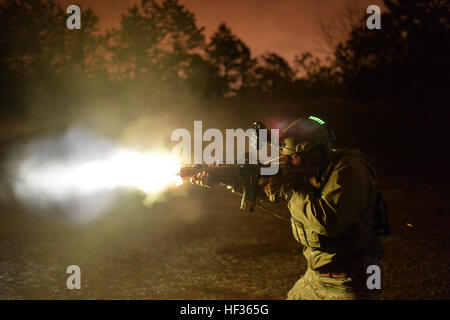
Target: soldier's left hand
202,179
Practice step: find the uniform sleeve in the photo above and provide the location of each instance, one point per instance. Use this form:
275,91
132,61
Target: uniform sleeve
344,197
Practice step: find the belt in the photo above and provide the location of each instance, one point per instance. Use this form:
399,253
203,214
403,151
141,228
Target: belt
353,268
332,275
334,271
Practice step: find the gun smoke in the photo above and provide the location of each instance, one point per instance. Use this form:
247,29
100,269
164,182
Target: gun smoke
77,172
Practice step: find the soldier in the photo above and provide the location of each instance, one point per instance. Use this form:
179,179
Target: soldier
336,212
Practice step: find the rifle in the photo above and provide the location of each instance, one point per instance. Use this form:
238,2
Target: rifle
248,174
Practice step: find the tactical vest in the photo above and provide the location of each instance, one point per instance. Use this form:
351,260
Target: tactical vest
362,234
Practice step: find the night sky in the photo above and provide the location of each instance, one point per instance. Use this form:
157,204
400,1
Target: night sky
287,27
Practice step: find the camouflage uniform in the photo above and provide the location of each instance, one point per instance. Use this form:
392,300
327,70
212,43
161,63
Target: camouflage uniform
335,227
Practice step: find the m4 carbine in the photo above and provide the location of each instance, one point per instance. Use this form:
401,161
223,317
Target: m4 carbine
246,175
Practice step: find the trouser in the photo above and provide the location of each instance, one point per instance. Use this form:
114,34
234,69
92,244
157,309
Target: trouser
314,285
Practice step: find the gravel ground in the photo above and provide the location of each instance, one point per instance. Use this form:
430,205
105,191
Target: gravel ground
198,245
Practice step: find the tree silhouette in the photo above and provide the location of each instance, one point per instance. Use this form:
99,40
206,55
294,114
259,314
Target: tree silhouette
273,75
36,42
158,49
156,40
32,37
134,44
231,56
181,37
404,59
315,77
84,48
202,78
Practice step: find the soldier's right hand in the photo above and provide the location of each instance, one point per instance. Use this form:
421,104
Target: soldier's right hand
275,188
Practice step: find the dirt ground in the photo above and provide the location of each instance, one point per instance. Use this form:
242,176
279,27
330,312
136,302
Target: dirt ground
198,245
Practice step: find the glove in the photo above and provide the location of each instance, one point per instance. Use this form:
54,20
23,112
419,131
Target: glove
275,188
202,179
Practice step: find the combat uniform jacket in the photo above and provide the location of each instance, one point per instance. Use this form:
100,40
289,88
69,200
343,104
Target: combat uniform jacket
334,223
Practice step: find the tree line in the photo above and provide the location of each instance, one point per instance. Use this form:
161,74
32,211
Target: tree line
159,52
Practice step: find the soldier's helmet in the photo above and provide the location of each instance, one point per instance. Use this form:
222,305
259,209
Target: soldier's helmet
306,134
